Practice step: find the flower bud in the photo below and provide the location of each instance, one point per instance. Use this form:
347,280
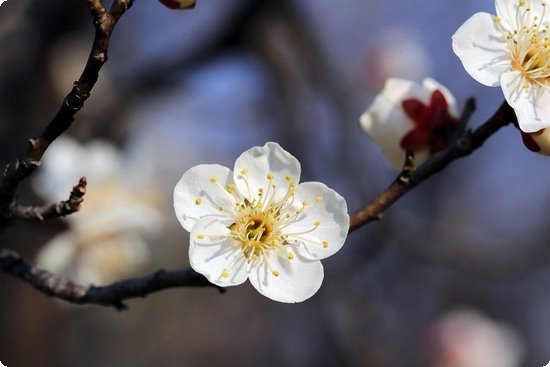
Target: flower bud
407,116
538,142
179,4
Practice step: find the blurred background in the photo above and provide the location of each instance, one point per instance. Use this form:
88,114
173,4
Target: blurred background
456,274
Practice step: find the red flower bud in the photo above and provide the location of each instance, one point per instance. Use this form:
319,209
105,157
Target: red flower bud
179,4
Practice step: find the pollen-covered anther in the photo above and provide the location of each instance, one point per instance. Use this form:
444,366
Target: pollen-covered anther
200,236
319,198
290,256
225,273
213,180
198,201
325,244
317,223
275,273
230,188
270,176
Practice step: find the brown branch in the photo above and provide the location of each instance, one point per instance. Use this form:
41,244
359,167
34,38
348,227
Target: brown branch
463,146
112,295
22,168
56,210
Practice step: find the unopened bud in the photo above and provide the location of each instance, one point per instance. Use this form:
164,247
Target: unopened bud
538,142
179,4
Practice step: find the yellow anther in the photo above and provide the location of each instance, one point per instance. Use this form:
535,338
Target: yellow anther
225,273
275,273
230,188
244,171
220,209
287,177
198,201
270,176
200,236
290,256
521,2
305,203
325,244
317,223
497,19
319,198
213,180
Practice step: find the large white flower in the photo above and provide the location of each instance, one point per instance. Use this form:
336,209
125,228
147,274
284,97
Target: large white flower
408,116
258,223
511,50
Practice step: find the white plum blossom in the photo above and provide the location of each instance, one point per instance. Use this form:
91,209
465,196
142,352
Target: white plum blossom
105,239
511,50
411,116
256,222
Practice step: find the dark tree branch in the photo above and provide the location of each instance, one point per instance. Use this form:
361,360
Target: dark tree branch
112,295
463,146
61,209
22,168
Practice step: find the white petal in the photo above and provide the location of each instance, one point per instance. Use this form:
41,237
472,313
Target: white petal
432,85
482,48
212,252
195,184
386,124
259,162
507,11
532,105
297,281
329,208
396,90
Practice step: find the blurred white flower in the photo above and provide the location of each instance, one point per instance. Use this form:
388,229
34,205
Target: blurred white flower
466,338
511,50
104,241
538,142
408,116
258,223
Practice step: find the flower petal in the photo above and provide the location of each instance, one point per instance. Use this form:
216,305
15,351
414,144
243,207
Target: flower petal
386,124
482,48
507,11
255,167
531,104
432,85
201,193
326,237
297,279
216,255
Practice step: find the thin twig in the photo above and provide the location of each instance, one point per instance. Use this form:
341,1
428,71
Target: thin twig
463,146
56,210
112,295
22,168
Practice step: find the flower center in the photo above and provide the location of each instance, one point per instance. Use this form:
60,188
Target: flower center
256,231
530,45
259,223
261,220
